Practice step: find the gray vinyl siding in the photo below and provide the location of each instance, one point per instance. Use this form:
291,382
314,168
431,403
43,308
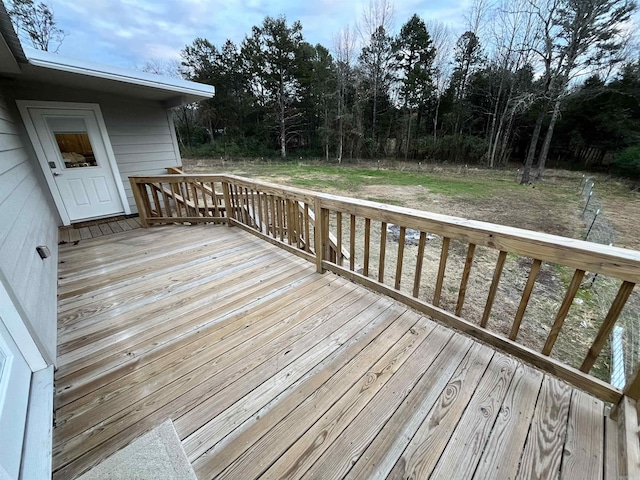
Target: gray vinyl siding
27,220
140,131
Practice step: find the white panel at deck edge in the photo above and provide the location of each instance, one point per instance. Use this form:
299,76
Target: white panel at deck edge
36,459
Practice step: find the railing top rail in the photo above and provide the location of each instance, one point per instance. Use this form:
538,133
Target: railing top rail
616,262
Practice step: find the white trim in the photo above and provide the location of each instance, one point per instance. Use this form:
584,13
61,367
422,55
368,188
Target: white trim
37,445
19,332
23,107
48,60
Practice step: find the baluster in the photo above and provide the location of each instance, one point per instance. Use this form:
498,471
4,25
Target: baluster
352,243
228,208
214,199
367,239
339,238
524,301
274,216
263,198
290,220
205,202
237,212
400,258
299,225
156,200
497,273
419,261
605,329
280,218
167,202
325,233
178,199
441,269
383,250
564,310
254,212
196,201
465,278
246,207
307,235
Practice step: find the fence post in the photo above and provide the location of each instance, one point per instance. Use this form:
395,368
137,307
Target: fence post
587,204
137,189
227,202
318,235
592,223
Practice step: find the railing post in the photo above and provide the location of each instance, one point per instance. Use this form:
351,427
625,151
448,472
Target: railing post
318,235
227,202
632,389
137,189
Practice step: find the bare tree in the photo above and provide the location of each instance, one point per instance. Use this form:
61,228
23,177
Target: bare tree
513,35
576,37
344,47
375,14
442,38
35,22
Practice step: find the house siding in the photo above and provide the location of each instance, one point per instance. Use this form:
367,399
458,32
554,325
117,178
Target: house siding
27,219
140,131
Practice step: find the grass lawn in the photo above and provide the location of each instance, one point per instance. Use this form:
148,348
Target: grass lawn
554,206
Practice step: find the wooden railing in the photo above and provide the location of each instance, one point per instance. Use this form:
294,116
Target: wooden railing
321,227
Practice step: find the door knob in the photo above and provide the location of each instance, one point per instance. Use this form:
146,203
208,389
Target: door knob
56,174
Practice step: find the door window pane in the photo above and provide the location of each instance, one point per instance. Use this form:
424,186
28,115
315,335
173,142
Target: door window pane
73,141
76,150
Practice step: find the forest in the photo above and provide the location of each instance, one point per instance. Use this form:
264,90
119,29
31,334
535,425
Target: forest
536,82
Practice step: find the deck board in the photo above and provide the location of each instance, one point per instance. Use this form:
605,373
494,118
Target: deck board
269,369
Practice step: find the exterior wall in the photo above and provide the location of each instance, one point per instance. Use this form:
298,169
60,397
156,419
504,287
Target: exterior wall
140,131
27,219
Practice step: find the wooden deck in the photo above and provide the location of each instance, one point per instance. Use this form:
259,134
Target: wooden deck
269,369
96,228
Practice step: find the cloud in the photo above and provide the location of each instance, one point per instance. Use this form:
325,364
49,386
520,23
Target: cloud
129,32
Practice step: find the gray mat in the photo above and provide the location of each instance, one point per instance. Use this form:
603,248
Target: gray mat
158,455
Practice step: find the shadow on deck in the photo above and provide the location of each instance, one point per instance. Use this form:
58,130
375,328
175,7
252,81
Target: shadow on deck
269,369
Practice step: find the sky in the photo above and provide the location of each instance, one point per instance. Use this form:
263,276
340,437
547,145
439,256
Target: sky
127,33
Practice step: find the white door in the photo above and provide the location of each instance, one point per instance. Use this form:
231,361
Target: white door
15,379
77,157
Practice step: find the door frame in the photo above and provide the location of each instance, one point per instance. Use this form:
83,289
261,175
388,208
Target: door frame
23,107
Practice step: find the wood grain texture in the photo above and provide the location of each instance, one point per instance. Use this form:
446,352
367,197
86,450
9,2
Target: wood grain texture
583,455
356,414
612,467
383,452
542,453
578,275
269,369
501,456
428,443
467,443
302,405
524,300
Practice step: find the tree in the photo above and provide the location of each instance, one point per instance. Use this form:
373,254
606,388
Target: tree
414,54
443,45
376,63
271,54
344,45
574,36
35,23
467,60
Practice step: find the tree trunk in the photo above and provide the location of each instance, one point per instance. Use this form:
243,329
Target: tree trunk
532,150
544,153
435,120
406,149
